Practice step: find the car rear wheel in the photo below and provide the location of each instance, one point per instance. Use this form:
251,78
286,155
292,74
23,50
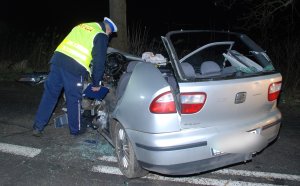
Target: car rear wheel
127,161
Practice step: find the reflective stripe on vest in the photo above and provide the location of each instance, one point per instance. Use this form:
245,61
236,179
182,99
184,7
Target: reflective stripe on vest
79,43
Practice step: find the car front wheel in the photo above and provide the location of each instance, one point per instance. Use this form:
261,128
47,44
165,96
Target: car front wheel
127,161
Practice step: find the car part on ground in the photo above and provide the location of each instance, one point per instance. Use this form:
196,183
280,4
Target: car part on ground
34,78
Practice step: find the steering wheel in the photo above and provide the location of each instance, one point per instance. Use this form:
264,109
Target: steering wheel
115,62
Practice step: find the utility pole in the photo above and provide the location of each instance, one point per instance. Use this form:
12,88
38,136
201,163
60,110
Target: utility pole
118,13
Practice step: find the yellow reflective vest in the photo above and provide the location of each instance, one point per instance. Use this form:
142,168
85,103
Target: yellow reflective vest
79,43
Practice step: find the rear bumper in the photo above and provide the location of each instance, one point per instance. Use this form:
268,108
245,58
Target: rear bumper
198,166
188,151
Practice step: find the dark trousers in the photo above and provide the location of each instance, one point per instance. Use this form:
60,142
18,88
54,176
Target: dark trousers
59,79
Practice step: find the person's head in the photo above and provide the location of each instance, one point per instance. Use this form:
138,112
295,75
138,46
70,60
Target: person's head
110,26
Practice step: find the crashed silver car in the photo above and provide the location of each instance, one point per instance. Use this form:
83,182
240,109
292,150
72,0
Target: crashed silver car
211,102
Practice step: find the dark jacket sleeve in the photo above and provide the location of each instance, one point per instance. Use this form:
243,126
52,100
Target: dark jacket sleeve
99,58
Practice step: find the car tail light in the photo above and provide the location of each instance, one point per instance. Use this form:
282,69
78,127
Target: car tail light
192,102
163,104
274,90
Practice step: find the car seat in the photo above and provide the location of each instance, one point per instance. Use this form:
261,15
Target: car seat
124,79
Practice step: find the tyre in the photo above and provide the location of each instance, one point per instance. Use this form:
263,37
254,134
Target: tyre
127,161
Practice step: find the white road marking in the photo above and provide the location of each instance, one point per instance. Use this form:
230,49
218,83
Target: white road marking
258,174
19,150
192,180
108,158
234,172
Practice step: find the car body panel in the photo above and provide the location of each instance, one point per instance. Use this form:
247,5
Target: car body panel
220,107
132,110
187,147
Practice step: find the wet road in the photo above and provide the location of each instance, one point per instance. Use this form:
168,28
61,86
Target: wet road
58,159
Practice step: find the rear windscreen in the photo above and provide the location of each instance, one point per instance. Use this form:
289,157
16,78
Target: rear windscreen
225,49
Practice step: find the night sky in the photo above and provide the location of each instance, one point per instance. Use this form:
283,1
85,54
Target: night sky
157,16
30,16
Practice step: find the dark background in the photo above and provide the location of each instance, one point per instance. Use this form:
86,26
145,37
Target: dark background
30,31
24,16
158,16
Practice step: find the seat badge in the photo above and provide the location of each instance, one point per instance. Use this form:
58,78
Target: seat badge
240,97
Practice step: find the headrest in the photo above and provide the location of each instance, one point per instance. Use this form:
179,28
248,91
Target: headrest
208,67
188,70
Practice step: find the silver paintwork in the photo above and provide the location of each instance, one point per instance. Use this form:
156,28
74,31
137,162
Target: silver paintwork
132,110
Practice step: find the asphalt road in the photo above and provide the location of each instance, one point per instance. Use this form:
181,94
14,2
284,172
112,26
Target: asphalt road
58,159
